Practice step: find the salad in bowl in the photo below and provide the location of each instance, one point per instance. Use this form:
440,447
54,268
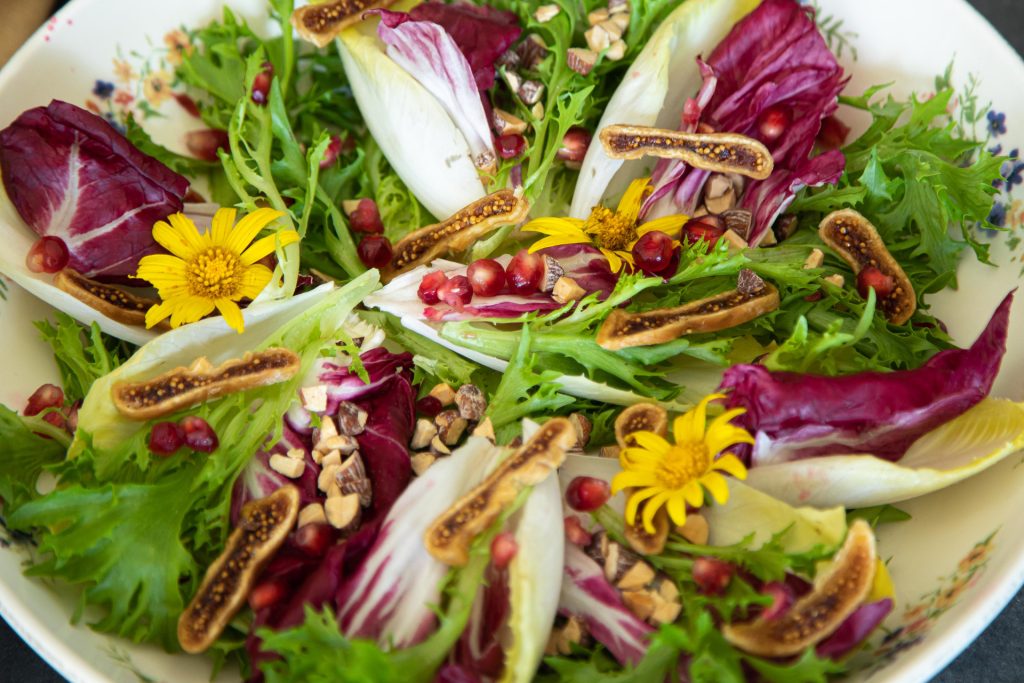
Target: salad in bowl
499,341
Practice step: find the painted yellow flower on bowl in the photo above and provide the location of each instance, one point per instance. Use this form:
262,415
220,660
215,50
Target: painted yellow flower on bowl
614,232
676,475
212,270
178,45
157,87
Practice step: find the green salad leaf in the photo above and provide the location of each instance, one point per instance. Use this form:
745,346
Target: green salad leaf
83,354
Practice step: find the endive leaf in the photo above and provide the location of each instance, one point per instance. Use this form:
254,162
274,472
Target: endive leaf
419,139
655,89
959,449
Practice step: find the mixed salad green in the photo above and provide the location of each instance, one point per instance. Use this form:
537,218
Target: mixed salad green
495,341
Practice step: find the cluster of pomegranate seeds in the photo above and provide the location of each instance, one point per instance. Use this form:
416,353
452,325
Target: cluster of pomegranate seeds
877,280
486,277
773,123
429,406
429,286
375,251
48,255
782,599
503,549
267,593
575,532
166,438
524,272
204,144
707,228
365,217
313,539
199,435
653,253
46,396
575,144
586,494
261,84
455,291
511,146
712,575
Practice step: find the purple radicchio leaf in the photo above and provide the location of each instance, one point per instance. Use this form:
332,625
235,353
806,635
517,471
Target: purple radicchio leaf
869,412
588,595
258,480
775,57
426,51
857,627
71,175
482,33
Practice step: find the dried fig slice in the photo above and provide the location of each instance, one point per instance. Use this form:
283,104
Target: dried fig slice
647,417
837,593
184,387
720,152
458,232
321,23
449,537
622,330
854,238
113,302
264,526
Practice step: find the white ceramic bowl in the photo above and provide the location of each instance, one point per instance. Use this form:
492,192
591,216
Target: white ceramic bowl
955,564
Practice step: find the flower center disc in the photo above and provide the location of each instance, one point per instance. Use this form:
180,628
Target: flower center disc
215,273
610,229
683,463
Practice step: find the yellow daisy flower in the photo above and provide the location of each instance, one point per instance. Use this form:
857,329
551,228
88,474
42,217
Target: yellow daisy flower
675,475
211,270
613,232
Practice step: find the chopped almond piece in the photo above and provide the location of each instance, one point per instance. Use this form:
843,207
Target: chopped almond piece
342,510
815,259
425,431
637,576
287,467
314,398
312,514
443,393
421,462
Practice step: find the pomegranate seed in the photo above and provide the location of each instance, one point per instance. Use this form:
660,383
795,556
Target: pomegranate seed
48,255
46,396
877,280
511,146
365,217
712,575
187,103
203,144
72,416
773,123
166,438
503,549
575,532
456,291
429,286
261,84
817,296
314,539
375,251
199,435
586,494
193,197
782,598
332,153
707,228
574,147
653,252
524,272
833,133
267,593
56,419
486,277
429,406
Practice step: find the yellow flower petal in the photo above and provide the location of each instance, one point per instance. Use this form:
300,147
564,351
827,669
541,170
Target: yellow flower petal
242,235
223,221
614,262
267,245
156,314
694,494
254,279
725,418
651,508
639,459
715,483
179,237
627,480
232,314
722,437
633,199
555,226
626,256
557,241
189,310
634,501
670,225
651,442
730,464
677,509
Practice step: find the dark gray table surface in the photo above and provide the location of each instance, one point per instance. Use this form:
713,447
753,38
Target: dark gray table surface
996,657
